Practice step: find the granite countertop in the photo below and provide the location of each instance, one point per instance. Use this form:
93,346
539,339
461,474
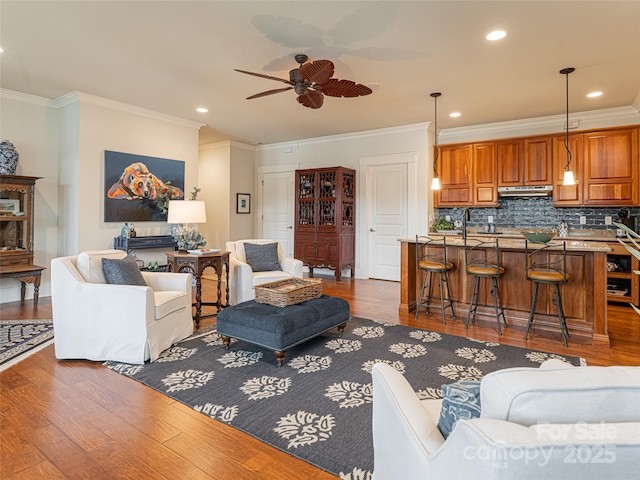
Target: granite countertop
513,240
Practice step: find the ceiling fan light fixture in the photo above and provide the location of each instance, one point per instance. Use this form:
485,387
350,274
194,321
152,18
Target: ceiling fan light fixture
435,183
568,178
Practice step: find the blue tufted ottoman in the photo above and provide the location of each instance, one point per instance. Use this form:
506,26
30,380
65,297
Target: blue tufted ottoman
280,328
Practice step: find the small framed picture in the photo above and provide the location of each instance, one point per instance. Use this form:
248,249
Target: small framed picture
243,203
10,207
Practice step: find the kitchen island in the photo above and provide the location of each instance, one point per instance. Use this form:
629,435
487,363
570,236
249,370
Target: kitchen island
583,296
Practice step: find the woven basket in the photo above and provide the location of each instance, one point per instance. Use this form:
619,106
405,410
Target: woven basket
291,291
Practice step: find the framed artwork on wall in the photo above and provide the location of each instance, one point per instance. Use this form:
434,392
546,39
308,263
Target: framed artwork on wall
243,203
137,188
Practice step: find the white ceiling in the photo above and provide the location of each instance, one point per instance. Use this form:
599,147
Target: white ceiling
174,56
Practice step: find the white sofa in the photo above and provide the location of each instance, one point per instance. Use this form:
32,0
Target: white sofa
243,279
555,422
93,320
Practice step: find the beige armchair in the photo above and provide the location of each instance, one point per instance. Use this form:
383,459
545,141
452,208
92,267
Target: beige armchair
243,279
94,320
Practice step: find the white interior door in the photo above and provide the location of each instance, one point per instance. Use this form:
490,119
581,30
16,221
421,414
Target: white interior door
387,195
277,208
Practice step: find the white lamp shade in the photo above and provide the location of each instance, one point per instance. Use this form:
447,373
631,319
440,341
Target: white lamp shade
568,178
435,183
186,211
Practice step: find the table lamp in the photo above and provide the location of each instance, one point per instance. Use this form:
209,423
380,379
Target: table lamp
183,213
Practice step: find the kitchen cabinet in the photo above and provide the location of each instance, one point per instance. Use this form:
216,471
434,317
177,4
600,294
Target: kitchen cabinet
622,284
567,195
525,161
455,167
325,218
485,164
17,195
467,175
610,166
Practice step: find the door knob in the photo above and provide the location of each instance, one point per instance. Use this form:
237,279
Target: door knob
371,230
290,227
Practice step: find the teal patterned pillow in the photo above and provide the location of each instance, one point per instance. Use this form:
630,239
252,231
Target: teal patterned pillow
460,400
122,272
262,258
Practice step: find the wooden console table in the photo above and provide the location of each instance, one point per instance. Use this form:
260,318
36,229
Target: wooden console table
182,262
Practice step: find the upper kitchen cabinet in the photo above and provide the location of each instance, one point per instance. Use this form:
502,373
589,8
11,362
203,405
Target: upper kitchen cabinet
485,164
610,165
567,195
455,167
524,161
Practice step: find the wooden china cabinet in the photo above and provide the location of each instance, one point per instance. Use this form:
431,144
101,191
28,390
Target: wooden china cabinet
16,232
325,219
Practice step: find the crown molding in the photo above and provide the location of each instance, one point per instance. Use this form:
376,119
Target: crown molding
348,136
24,97
80,97
551,123
636,103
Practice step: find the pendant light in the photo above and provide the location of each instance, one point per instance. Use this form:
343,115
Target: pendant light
435,183
568,178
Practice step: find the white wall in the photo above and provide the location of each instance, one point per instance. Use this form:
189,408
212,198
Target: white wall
64,141
213,175
242,180
30,125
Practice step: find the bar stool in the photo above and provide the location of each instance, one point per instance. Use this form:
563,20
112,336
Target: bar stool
431,258
482,260
551,272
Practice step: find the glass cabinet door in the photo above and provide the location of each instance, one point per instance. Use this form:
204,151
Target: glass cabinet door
13,231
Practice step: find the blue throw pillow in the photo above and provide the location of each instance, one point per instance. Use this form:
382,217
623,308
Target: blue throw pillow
262,258
122,271
460,400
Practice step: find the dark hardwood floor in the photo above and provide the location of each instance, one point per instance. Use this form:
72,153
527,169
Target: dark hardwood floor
77,419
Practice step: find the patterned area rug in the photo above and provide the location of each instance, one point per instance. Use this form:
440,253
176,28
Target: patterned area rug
317,406
21,338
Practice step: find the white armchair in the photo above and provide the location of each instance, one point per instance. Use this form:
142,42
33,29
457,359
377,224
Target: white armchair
243,279
557,421
94,320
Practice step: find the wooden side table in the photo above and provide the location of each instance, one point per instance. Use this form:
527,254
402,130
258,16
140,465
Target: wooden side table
182,262
25,274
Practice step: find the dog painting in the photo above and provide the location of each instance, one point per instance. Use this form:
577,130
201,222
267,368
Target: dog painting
138,183
134,182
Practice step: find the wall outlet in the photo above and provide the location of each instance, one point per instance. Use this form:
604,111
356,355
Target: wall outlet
583,220
448,218
490,218
607,220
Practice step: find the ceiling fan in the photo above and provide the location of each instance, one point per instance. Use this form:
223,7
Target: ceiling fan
311,82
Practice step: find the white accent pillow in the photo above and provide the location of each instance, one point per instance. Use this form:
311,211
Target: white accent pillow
90,263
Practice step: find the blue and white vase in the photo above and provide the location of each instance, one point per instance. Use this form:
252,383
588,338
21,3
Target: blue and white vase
8,158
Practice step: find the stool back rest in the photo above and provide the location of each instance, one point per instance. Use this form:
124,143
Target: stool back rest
431,249
481,253
546,257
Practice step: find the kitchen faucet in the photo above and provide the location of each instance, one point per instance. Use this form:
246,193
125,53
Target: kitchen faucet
466,216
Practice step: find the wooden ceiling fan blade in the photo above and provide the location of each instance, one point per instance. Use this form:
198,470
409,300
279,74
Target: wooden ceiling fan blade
318,71
269,92
311,99
344,88
268,77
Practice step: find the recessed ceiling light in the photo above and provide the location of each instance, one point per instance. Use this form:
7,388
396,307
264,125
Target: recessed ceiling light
373,85
202,110
455,114
594,94
496,35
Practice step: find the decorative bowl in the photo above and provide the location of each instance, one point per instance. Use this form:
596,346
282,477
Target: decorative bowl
538,236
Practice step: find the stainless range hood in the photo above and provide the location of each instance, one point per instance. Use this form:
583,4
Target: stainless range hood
526,191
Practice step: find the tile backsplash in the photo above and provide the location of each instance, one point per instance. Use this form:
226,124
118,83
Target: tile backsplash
538,212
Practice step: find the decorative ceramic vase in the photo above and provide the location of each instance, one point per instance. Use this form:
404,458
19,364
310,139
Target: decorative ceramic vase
8,158
563,229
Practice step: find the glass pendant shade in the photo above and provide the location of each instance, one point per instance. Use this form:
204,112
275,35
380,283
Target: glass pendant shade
435,183
568,178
